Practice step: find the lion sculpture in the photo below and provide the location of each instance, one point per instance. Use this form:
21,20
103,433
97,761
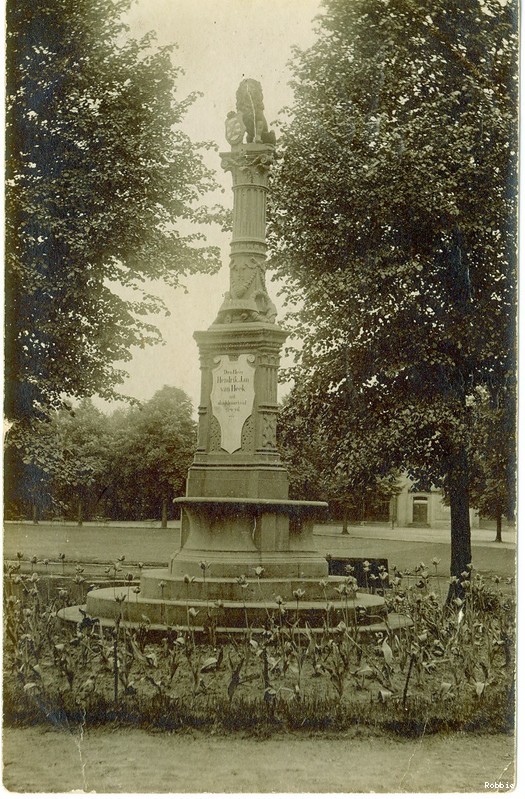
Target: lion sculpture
250,106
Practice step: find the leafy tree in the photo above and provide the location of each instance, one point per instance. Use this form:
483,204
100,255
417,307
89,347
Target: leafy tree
303,451
82,457
351,482
128,465
66,465
393,226
100,179
493,457
26,487
152,451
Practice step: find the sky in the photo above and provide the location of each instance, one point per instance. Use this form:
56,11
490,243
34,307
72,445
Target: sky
219,42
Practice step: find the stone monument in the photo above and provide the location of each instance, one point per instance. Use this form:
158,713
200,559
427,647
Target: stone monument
243,543
237,514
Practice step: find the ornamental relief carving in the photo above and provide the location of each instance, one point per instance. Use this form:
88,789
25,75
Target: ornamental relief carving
214,437
253,165
269,431
270,361
247,437
243,275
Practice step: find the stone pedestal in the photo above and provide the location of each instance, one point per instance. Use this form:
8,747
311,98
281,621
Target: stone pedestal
237,515
236,452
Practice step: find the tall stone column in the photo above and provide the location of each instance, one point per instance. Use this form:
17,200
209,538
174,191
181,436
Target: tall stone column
248,300
239,354
236,510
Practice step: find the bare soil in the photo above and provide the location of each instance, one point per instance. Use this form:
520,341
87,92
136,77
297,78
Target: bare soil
136,761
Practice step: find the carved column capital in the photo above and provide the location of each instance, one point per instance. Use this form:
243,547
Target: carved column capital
249,163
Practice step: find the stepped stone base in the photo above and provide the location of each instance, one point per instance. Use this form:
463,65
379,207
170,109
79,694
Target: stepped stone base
235,605
228,564
74,614
248,589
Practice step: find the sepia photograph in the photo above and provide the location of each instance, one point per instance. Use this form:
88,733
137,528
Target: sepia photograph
260,396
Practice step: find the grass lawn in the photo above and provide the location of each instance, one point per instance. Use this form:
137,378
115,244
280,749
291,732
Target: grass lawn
152,545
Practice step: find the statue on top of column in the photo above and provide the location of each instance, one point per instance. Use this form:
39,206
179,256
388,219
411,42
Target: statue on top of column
249,117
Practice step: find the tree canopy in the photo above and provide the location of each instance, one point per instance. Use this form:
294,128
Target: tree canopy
393,227
152,449
83,463
493,463
65,468
100,182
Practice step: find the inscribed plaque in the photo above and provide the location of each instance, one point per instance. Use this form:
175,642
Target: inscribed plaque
232,397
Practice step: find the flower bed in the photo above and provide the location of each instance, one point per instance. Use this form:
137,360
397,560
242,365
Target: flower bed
453,668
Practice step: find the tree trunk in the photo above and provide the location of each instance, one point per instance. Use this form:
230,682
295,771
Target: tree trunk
392,511
460,546
344,531
80,513
164,520
35,513
498,527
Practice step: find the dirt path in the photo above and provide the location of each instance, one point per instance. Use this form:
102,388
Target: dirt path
136,761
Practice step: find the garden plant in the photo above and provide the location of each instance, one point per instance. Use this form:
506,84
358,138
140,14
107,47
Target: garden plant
451,668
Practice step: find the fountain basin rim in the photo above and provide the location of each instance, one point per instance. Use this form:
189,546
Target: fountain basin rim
393,621
263,503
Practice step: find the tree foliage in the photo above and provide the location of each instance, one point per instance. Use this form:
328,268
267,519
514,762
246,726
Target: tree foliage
493,462
393,226
75,448
65,465
84,464
100,182
152,450
354,486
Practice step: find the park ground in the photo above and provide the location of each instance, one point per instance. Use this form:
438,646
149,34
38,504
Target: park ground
404,547
137,761
105,760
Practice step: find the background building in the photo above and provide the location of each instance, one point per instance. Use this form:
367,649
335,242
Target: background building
413,508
